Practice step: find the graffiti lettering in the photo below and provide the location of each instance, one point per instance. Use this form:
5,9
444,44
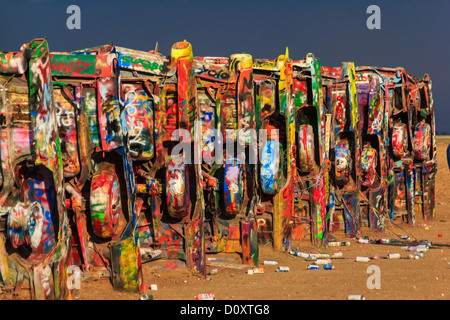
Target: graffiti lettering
152,66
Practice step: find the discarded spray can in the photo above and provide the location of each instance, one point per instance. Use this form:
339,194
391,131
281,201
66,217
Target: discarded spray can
299,254
282,269
328,267
146,297
362,259
302,254
272,262
363,241
313,267
394,255
382,240
258,270
356,297
322,255
422,248
405,238
322,261
205,296
337,255
339,244
311,257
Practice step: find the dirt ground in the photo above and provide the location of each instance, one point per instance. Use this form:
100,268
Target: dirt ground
426,278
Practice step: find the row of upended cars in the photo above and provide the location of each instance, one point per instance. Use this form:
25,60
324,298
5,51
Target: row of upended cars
113,157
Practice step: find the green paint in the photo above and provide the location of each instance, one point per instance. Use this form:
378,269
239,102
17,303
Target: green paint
152,66
67,65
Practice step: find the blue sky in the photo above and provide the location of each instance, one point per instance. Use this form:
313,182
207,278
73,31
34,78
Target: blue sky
414,34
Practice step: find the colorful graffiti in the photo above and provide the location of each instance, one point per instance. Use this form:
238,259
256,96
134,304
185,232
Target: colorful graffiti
112,157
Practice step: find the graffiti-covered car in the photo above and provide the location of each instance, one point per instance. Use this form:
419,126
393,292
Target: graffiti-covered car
311,190
276,174
344,149
225,100
373,113
99,180
35,241
159,96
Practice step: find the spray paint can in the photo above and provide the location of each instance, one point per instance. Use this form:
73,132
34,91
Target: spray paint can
394,256
258,270
322,261
205,296
422,248
356,297
322,255
311,258
362,259
338,244
337,255
328,267
282,269
299,254
302,254
272,262
313,267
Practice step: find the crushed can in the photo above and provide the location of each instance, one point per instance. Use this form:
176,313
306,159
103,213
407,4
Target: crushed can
313,267
328,267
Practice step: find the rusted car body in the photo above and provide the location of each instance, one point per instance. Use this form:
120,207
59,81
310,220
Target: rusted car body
35,238
225,101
